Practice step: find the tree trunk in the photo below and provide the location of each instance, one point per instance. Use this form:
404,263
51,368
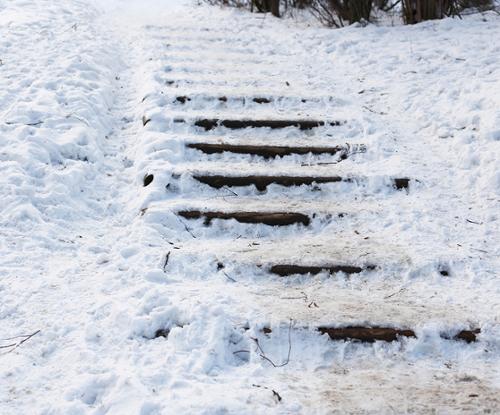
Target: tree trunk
267,6
275,7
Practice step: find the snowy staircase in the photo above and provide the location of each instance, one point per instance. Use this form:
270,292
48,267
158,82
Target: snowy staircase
270,193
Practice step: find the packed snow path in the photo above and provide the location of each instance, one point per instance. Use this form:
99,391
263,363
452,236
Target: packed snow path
207,211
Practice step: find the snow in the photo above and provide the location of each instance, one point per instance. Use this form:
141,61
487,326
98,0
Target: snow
100,264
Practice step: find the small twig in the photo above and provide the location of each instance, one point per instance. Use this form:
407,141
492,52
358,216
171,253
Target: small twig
74,27
30,124
228,277
388,9
344,154
475,223
78,118
229,190
263,355
480,250
393,294
186,227
373,111
7,346
304,297
276,394
166,261
22,336
320,164
14,346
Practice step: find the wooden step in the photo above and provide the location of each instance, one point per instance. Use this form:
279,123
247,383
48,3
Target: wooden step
211,123
182,99
402,183
388,334
274,151
261,182
266,218
468,336
366,334
285,270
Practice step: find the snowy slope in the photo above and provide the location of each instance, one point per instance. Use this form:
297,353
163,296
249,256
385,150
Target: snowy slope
137,310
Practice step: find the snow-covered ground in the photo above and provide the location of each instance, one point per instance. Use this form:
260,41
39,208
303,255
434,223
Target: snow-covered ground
100,268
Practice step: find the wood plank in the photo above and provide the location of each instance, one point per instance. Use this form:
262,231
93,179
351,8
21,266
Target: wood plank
266,218
211,123
285,270
269,151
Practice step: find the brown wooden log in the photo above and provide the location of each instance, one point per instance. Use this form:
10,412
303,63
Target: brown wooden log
388,334
266,218
210,124
468,336
366,334
285,270
261,182
264,151
258,100
182,99
401,183
262,100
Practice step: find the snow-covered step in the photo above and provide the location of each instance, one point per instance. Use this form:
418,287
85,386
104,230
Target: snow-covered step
369,300
365,334
254,175
372,334
241,167
236,124
278,211
390,334
292,175
207,44
245,96
154,142
201,55
268,151
297,141
261,182
216,46
235,99
237,45
212,80
223,58
286,270
331,253
227,69
227,119
202,32
312,207
261,217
